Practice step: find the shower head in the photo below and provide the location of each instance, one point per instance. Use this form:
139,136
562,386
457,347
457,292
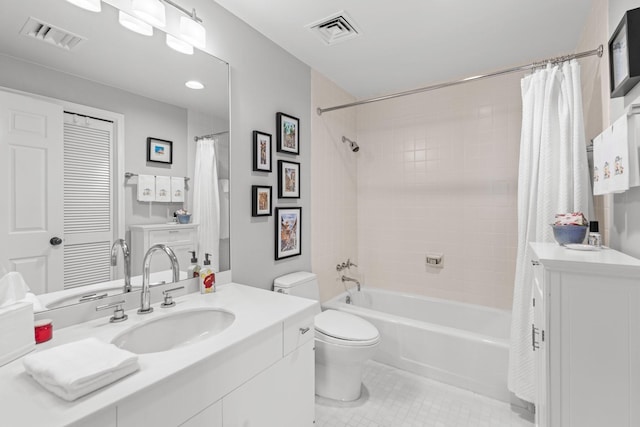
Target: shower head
352,144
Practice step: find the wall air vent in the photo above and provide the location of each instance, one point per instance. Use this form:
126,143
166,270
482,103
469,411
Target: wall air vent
48,33
335,28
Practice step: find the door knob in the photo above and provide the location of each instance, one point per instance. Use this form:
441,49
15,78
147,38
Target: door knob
55,241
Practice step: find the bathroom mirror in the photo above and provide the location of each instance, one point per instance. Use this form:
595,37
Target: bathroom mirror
100,74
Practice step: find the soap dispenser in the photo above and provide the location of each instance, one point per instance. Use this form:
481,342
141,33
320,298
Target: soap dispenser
194,268
207,277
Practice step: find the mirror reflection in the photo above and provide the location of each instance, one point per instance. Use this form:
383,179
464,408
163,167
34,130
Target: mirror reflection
102,139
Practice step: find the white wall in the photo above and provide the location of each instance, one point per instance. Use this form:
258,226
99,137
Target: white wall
625,227
265,79
334,190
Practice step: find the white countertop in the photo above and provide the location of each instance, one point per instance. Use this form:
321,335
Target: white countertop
603,261
24,402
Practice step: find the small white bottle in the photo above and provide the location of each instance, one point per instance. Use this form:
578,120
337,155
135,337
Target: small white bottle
594,236
207,276
194,268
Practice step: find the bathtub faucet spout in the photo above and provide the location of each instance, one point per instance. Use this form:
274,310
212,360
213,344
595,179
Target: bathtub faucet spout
349,279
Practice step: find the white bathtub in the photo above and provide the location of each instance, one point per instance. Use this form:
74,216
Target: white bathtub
460,344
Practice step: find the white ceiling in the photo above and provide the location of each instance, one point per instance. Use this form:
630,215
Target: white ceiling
405,44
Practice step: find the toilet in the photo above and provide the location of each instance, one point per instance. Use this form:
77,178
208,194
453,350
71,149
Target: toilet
343,341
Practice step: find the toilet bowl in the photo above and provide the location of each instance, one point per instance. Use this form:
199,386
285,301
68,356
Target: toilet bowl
343,341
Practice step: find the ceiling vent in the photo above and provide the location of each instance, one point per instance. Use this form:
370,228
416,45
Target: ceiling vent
48,33
335,28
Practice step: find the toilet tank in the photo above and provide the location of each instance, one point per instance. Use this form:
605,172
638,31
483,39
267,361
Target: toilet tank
300,284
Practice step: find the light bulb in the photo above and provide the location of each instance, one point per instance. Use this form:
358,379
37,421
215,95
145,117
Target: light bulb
134,24
151,11
179,45
194,84
91,5
193,32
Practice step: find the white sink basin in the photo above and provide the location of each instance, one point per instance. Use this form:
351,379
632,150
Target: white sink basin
174,330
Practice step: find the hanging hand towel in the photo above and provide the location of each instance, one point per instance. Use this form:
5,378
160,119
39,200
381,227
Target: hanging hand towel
600,159
619,156
633,129
146,188
177,189
163,189
75,369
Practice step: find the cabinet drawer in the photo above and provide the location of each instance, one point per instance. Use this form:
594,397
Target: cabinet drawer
297,330
172,236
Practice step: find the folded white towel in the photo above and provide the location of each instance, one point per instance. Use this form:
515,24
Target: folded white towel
163,188
177,189
75,369
146,188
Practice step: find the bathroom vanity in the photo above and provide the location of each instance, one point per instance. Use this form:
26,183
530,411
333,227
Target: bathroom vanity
586,337
257,371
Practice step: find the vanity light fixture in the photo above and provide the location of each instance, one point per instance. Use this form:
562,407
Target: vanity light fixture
193,31
150,11
194,84
134,24
179,45
91,5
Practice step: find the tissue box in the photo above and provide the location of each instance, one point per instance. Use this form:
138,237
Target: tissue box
16,331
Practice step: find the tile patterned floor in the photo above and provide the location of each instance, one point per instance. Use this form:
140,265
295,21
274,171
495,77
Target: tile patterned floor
395,398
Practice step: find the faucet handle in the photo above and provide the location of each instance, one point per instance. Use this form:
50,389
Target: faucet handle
168,299
118,314
350,264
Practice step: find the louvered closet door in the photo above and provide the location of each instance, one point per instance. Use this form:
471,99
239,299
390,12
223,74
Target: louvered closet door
88,200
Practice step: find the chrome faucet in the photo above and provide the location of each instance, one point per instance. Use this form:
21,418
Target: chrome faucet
126,255
145,296
349,279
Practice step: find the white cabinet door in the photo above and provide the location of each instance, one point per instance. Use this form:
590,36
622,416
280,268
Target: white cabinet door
104,418
539,346
31,192
210,417
281,396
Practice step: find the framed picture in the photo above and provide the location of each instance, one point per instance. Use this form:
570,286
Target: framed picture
260,200
159,150
261,151
288,133
288,180
624,59
288,235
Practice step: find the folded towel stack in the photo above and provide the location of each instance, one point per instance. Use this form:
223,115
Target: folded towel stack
574,218
72,370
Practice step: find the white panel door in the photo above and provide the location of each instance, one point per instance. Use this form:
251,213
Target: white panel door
31,161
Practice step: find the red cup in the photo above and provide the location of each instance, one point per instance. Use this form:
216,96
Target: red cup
43,330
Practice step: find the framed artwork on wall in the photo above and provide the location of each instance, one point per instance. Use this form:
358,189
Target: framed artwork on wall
288,180
261,151
159,150
624,58
260,200
288,133
288,232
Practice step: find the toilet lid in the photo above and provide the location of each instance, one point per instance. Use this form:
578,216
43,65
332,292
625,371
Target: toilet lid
345,326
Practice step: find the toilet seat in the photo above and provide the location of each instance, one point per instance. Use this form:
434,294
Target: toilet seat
337,327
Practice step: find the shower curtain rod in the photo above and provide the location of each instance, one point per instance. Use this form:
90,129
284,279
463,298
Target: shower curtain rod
531,66
197,138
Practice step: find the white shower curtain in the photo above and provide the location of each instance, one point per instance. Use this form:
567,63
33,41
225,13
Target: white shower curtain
206,201
553,178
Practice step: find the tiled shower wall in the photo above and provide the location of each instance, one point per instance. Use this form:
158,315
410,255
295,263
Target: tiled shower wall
334,231
437,173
